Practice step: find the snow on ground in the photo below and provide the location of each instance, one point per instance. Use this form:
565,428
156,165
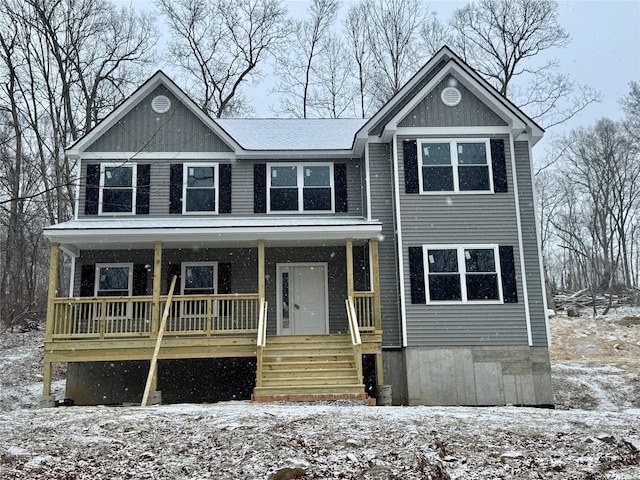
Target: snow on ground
593,434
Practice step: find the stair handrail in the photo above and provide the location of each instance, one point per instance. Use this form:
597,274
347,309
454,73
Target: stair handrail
261,341
356,340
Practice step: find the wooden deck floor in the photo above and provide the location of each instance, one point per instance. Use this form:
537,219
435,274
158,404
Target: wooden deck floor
171,348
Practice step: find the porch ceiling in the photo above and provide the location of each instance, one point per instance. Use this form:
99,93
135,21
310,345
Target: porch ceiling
121,233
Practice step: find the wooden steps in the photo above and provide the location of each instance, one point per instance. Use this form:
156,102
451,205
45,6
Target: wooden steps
309,368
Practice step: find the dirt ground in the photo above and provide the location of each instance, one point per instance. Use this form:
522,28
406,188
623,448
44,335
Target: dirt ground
596,360
593,434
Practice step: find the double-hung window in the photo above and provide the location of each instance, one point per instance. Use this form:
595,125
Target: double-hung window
113,279
462,274
199,278
300,187
117,188
455,165
200,188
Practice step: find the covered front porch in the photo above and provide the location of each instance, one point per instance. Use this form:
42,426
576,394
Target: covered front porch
255,298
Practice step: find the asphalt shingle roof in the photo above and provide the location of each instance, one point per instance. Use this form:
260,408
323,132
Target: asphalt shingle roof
293,133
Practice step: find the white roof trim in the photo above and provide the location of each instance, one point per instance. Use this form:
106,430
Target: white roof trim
476,84
159,78
127,233
497,107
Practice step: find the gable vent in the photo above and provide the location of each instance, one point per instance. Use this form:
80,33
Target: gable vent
451,96
161,104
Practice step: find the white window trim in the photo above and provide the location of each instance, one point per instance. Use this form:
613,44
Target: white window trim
300,186
454,165
134,183
185,176
96,287
183,269
462,273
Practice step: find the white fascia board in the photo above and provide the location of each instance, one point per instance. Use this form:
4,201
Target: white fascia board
447,131
263,154
158,155
159,78
444,51
516,123
202,235
295,154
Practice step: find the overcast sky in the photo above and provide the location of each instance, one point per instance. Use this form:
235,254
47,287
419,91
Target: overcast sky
604,52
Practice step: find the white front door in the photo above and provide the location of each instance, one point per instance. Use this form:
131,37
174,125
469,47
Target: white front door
302,299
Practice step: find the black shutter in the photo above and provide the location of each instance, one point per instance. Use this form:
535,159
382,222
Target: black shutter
140,273
498,161
175,189
340,184
416,275
508,269
173,269
92,192
260,188
87,280
143,181
410,153
224,278
225,189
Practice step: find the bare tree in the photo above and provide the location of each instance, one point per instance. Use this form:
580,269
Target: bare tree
297,70
67,64
600,202
356,30
503,39
219,45
393,32
334,95
631,107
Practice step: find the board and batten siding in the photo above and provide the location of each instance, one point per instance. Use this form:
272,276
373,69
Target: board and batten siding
461,219
143,130
471,111
242,186
530,241
382,194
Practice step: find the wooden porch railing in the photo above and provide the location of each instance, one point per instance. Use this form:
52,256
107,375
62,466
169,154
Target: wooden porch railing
115,317
355,336
365,310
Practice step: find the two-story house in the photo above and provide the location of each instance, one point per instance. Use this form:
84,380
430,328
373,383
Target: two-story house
310,259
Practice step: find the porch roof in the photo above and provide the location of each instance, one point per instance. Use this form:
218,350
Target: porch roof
192,232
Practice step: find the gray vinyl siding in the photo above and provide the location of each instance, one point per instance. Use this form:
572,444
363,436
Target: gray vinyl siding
382,200
91,257
243,264
143,130
241,186
244,272
470,112
336,274
461,219
535,288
